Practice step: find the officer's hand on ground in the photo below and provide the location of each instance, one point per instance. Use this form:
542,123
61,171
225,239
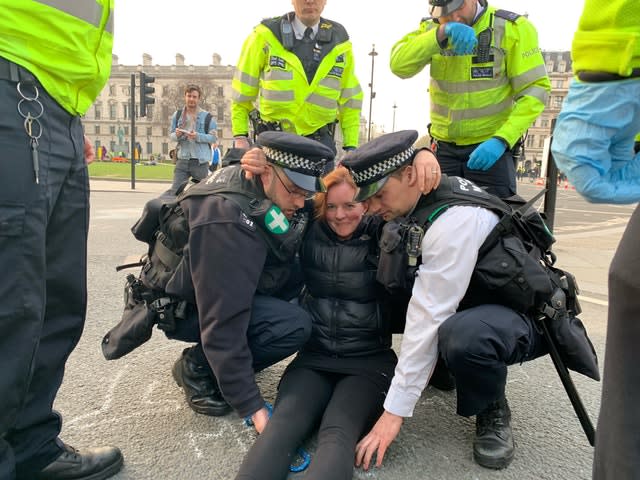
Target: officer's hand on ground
486,154
260,419
89,152
378,439
253,162
461,36
427,170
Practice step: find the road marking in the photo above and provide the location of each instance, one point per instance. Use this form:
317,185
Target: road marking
582,298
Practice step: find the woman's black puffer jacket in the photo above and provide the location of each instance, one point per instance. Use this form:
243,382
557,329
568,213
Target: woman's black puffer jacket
341,291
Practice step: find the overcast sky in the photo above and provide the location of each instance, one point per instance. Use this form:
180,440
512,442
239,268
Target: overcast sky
197,29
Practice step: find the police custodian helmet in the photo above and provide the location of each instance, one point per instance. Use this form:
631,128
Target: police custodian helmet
302,159
372,163
440,8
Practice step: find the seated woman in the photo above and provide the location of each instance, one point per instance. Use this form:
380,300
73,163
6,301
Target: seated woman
338,382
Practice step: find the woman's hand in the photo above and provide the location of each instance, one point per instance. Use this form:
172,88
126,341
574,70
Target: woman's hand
253,162
427,170
378,439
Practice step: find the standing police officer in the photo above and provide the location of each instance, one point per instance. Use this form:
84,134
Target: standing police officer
243,238
300,69
55,57
488,85
478,343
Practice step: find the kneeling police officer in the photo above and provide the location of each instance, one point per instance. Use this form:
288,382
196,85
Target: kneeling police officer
476,343
243,238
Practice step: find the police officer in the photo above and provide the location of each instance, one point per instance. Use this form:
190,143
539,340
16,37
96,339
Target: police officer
488,85
243,238
44,219
478,343
300,69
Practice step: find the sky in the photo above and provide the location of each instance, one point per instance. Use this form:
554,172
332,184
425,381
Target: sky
197,29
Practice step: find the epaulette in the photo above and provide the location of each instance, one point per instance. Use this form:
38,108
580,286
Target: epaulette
507,15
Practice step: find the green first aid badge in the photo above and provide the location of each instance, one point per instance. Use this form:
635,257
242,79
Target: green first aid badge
275,221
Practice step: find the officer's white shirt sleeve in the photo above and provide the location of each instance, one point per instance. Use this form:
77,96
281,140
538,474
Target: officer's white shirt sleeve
449,253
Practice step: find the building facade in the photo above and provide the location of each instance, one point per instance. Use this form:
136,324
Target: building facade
559,68
108,121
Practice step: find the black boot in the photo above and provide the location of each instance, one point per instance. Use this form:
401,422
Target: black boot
441,378
200,385
493,446
87,464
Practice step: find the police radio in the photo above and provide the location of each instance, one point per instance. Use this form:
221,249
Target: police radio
414,242
483,50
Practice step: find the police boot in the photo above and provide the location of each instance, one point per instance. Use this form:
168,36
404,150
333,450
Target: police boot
87,464
493,446
441,378
199,384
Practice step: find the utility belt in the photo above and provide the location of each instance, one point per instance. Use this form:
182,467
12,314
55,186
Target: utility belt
517,150
596,77
15,73
167,308
260,125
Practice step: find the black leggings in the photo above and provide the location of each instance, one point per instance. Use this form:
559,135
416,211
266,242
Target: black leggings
344,406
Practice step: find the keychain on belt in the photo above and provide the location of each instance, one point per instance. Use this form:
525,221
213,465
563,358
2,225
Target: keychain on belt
32,124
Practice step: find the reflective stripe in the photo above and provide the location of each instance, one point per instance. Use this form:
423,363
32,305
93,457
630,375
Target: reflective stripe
351,92
353,103
469,86
330,82
278,95
245,78
531,76
321,101
239,98
471,113
278,75
109,25
86,10
498,52
535,91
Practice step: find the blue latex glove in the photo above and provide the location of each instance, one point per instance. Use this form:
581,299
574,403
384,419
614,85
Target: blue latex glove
461,36
486,154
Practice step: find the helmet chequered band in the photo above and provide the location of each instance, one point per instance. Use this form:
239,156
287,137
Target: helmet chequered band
294,162
380,169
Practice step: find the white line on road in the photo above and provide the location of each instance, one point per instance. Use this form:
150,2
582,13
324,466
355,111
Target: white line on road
604,303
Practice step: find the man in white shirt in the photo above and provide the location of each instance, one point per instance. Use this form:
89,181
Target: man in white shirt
477,343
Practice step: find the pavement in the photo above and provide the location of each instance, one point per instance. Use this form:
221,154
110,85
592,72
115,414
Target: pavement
134,403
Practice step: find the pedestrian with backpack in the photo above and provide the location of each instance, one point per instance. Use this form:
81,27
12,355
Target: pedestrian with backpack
195,130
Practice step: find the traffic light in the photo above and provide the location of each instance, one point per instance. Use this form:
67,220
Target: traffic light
145,91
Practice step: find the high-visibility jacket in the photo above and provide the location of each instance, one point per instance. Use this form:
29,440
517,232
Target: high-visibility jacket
73,60
608,37
275,77
473,100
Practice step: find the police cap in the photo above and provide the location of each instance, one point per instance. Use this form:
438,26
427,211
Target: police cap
440,8
302,159
372,163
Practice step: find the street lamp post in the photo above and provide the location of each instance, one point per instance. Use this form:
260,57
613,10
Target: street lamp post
372,95
393,127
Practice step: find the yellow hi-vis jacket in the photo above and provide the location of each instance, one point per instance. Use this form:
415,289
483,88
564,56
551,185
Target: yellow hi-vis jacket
608,37
275,77
471,101
66,44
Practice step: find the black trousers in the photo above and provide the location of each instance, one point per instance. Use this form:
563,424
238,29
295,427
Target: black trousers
500,179
43,250
478,344
344,407
277,329
617,448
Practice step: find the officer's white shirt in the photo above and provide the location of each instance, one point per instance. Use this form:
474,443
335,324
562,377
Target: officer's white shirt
449,254
299,28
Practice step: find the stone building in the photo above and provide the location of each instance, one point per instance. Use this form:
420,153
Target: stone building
108,121
560,72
